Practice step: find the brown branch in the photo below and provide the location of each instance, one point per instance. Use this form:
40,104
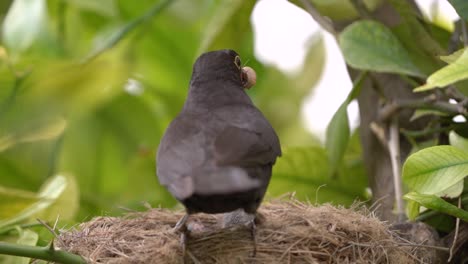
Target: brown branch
324,22
428,103
361,8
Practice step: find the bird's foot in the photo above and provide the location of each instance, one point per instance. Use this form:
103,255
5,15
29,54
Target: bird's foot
253,231
181,226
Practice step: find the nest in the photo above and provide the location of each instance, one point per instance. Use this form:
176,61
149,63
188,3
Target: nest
292,232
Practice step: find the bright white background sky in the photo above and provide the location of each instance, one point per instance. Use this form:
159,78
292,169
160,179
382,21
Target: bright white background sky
282,32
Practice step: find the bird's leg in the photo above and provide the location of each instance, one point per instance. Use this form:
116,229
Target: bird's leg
181,226
253,231
257,218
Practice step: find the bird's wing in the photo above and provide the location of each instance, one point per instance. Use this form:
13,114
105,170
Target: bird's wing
185,163
180,151
248,140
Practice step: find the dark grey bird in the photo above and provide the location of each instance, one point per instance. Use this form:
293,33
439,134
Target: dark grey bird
217,155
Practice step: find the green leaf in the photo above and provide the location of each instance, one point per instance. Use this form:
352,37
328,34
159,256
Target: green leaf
23,23
370,45
228,23
435,169
458,141
304,170
337,136
438,204
452,57
102,7
452,191
454,72
339,9
13,201
461,6
49,131
412,209
49,193
66,205
424,112
338,131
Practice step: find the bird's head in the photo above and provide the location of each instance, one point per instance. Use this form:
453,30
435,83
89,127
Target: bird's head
223,65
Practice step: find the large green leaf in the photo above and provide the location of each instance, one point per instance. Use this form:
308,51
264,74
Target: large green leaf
305,171
339,9
23,24
49,131
369,45
451,58
338,131
461,6
458,141
66,205
435,169
102,7
13,201
438,204
48,194
454,72
113,153
337,137
227,26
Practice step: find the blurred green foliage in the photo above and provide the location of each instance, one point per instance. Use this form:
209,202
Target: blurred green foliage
88,87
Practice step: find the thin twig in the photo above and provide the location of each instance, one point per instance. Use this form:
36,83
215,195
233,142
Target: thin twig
426,132
452,92
361,8
324,22
15,227
394,151
51,230
379,133
457,227
464,33
455,37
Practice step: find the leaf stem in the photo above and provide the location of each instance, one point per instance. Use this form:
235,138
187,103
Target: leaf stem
44,253
114,39
10,228
361,8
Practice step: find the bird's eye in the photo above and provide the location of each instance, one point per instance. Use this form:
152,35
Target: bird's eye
237,62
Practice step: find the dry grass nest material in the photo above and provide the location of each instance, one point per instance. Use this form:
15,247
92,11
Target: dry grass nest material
292,232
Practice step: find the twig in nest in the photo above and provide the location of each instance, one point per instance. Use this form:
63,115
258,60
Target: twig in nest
51,229
457,227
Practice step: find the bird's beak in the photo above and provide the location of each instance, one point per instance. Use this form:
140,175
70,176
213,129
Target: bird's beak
248,77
